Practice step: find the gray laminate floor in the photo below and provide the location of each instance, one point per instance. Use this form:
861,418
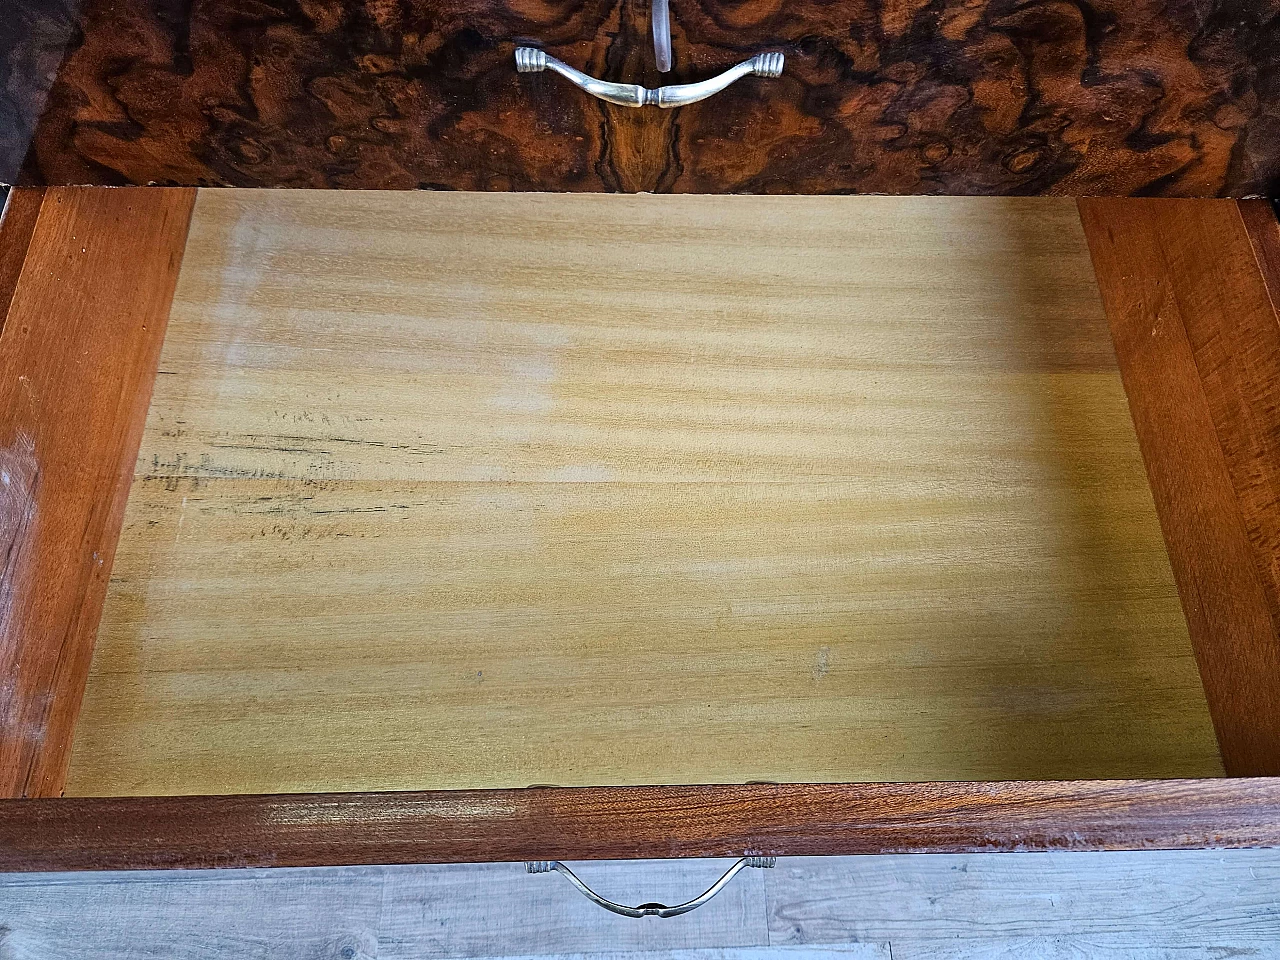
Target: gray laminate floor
1142,905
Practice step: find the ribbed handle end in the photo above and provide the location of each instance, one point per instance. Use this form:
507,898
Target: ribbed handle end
766,64
530,60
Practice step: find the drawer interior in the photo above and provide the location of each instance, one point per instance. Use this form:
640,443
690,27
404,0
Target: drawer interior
456,490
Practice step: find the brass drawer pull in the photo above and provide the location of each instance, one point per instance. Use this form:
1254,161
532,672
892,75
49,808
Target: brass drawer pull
648,909
531,60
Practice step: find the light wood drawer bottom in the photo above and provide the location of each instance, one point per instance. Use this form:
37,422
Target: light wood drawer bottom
453,491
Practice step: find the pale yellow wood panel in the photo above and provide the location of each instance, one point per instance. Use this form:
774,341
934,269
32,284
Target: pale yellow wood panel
459,491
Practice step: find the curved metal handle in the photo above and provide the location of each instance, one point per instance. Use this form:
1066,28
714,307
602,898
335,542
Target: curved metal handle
648,909
531,60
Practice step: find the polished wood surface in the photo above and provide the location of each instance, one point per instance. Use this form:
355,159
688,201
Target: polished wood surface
1262,222
77,358
1189,290
21,209
1118,97
446,491
130,833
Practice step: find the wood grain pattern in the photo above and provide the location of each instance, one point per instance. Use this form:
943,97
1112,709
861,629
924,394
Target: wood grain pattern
32,46
1198,341
1114,906
1140,905
129,833
541,914
453,491
77,358
1263,227
960,96
17,223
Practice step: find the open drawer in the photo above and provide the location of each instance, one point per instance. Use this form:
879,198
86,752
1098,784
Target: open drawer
458,491
489,527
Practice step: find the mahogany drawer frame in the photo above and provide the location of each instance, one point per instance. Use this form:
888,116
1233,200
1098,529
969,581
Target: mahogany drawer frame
1189,288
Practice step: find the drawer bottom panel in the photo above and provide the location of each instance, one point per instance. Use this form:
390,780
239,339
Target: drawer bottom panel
445,491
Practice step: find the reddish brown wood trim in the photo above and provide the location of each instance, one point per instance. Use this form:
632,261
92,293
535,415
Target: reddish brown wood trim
78,356
1198,343
17,223
1264,233
634,822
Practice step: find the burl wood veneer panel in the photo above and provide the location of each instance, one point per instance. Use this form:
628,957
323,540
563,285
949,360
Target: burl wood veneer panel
461,491
1117,97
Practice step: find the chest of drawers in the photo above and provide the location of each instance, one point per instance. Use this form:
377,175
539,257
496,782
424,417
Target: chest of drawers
507,524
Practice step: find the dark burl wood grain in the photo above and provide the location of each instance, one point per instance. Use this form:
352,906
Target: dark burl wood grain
33,41
1117,97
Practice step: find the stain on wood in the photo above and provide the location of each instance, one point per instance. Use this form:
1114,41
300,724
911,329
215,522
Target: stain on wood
956,97
1189,289
289,830
77,358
